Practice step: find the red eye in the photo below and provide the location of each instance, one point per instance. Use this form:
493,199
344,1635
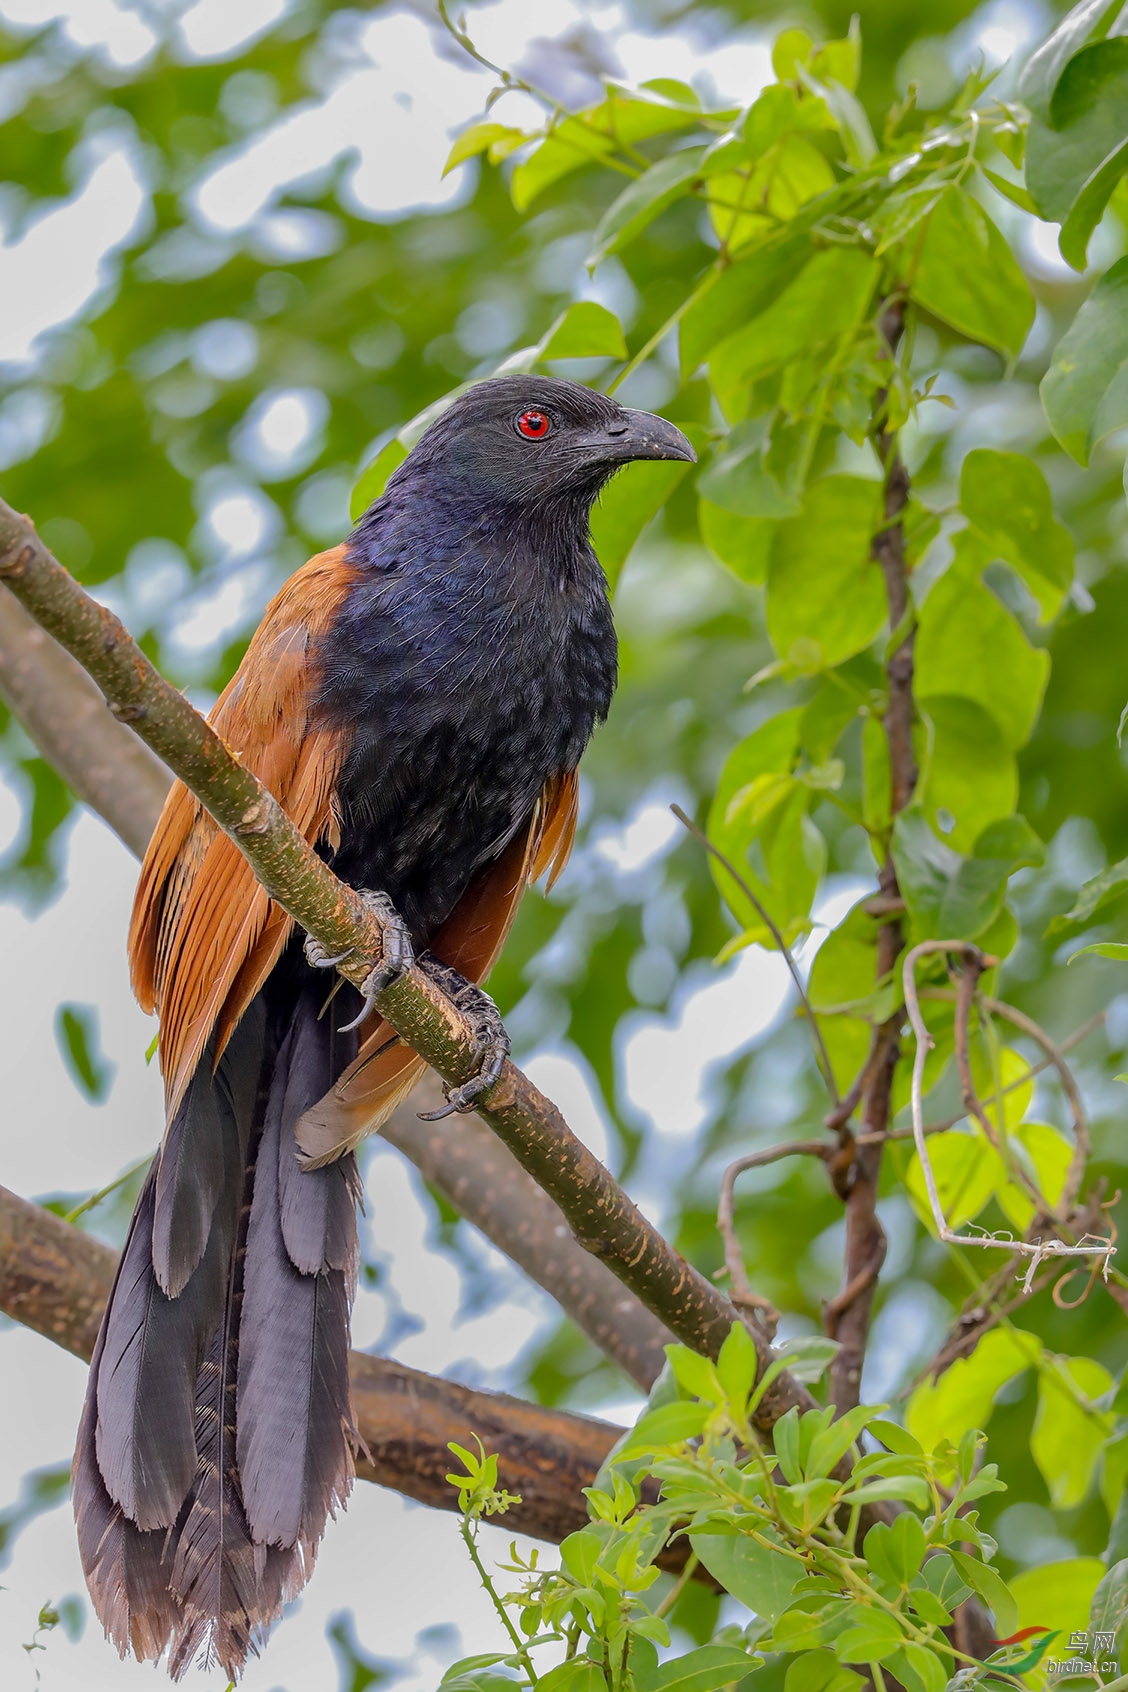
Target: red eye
534,425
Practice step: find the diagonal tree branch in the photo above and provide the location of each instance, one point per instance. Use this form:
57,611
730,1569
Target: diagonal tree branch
600,1214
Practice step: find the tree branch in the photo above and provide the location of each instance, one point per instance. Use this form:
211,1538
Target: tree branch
847,1318
56,1279
601,1216
99,759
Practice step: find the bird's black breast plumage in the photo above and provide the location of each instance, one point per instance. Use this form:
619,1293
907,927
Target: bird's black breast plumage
471,661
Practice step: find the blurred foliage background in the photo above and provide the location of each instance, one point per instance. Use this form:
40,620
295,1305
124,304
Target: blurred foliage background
193,433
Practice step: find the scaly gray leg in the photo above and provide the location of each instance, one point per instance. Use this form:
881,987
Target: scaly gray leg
490,1041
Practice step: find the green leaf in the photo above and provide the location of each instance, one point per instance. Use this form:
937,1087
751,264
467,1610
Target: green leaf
1073,166
466,1665
992,1588
1057,1595
895,1551
918,1669
496,138
1103,949
967,276
740,481
829,295
826,600
579,1553
669,1425
641,202
631,500
695,1374
703,1670
742,544
571,146
1069,1433
737,1365
739,293
374,477
1043,69
950,897
898,1439
580,1674
585,330
969,776
789,852
76,1030
1006,496
968,644
1110,1600
968,1173
908,1488
1085,390
808,1356
820,1671
963,1396
1098,892
832,1444
756,1576
872,1638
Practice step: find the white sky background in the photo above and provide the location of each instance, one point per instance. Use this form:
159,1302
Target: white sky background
400,1568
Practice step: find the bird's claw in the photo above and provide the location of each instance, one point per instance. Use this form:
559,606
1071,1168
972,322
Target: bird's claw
488,1037
397,955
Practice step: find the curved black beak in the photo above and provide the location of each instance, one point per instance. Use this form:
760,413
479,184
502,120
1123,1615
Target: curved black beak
640,434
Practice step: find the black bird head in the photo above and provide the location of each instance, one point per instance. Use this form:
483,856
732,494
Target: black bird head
536,441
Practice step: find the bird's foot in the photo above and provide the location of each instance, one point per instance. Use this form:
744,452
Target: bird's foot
396,955
488,1037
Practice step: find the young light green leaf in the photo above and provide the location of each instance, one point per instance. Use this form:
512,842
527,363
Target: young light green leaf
585,330
669,1425
966,275
1069,1431
737,1364
895,1551
495,138
832,1444
1085,390
964,1395
918,1669
1055,1595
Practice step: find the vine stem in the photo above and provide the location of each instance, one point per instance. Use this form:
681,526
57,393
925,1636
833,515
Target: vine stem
520,1649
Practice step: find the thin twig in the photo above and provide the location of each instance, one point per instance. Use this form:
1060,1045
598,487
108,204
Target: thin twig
740,1290
1036,1250
822,1057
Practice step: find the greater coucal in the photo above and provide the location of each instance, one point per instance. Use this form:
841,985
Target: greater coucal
418,699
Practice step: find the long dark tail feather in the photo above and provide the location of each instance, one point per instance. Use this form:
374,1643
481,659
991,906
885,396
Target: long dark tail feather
217,1433
295,1419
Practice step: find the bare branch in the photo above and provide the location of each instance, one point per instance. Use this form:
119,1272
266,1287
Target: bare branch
601,1216
65,714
